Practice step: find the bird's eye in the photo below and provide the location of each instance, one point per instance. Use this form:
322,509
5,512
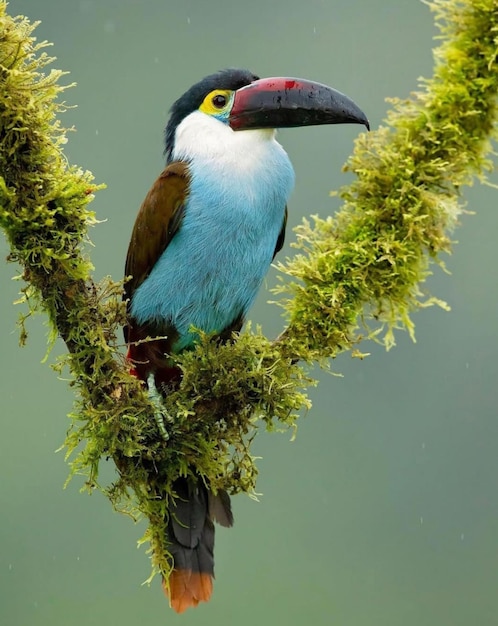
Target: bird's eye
216,103
219,101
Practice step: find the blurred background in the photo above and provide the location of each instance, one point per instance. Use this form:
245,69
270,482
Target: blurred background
384,510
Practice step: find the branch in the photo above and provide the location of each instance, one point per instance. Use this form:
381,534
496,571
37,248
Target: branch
365,265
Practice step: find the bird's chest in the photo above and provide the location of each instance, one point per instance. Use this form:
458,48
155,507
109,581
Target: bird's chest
237,218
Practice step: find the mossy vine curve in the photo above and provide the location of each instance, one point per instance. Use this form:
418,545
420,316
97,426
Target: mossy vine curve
366,263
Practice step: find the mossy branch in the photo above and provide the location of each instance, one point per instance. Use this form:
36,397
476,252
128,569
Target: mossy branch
365,264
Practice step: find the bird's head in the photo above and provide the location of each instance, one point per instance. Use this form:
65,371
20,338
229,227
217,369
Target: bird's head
242,101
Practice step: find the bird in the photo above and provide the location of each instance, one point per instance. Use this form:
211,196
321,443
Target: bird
202,243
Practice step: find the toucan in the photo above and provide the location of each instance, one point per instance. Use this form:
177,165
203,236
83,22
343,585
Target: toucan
202,242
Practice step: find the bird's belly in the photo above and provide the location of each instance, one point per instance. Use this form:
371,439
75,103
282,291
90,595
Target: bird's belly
210,273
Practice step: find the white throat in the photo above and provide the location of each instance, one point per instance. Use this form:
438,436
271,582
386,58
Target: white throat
200,136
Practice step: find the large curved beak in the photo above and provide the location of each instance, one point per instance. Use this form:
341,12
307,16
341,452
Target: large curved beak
289,102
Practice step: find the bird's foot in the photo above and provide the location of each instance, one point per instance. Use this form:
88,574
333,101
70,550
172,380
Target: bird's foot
159,413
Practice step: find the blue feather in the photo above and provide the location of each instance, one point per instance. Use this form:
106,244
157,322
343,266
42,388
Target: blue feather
211,271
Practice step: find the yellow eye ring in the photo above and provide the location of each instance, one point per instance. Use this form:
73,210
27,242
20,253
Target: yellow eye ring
216,102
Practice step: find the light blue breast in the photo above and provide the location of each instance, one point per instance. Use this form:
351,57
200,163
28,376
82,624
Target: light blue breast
211,271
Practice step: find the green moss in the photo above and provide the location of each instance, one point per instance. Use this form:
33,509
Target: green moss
369,261
364,266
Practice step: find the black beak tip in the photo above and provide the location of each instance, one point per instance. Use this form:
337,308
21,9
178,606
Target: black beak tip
360,118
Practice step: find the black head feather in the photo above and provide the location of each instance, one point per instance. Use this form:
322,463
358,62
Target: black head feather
192,99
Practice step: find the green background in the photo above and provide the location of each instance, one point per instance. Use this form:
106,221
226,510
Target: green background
384,511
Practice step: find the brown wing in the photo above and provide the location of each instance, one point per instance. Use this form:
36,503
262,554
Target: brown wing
157,221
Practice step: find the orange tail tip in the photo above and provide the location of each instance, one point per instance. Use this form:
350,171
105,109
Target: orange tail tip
186,589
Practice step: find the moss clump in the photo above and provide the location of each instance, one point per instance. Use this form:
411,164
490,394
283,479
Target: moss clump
366,264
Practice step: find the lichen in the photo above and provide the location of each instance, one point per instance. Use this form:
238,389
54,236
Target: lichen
362,268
